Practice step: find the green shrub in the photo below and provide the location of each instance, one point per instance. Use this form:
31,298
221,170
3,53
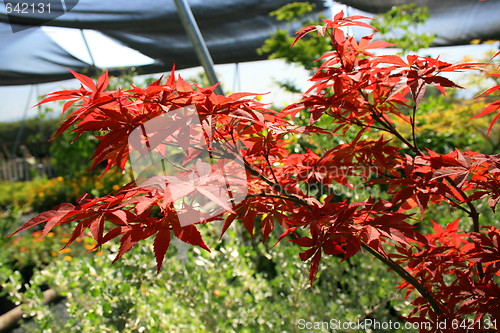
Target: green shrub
236,288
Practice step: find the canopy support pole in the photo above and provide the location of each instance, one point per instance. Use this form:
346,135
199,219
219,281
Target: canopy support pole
200,47
92,60
237,79
23,122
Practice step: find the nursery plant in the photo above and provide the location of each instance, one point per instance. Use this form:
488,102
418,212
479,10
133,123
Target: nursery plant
450,274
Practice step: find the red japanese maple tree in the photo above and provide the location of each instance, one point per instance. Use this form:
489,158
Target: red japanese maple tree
453,270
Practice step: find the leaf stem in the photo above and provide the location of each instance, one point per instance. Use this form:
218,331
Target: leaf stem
406,276
413,122
474,215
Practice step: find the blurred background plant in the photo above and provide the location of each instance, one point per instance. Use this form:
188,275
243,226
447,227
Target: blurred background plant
404,22
227,290
43,194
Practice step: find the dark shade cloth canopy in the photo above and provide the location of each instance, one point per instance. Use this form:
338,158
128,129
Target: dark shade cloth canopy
232,29
30,56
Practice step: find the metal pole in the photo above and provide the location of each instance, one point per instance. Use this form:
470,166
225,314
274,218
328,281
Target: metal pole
191,27
236,80
92,60
23,122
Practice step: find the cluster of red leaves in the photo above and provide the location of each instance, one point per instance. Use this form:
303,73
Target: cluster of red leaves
116,114
494,106
355,89
448,177
446,264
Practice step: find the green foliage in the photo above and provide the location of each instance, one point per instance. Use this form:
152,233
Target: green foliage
278,46
237,288
36,133
43,194
442,126
404,20
30,251
292,11
16,194
71,157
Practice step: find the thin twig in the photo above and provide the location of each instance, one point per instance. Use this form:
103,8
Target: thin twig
406,276
413,124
